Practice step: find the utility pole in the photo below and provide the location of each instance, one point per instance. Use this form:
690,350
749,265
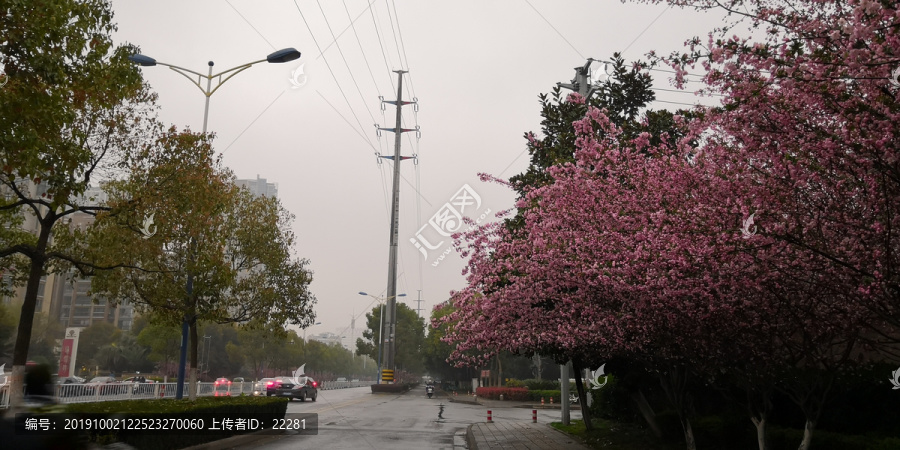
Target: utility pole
583,86
582,81
390,313
419,303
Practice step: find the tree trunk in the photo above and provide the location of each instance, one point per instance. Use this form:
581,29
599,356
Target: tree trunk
807,434
647,411
674,383
582,398
689,440
192,346
26,318
760,424
759,412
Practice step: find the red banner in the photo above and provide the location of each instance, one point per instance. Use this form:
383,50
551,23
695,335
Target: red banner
65,357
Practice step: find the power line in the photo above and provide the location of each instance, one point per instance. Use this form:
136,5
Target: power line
645,29
554,29
678,103
358,42
254,121
393,32
346,28
352,77
384,54
316,41
347,121
251,25
412,89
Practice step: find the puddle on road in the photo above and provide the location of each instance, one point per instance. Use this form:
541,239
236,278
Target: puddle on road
440,413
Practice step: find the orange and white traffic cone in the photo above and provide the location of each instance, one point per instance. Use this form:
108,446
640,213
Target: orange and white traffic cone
551,400
542,401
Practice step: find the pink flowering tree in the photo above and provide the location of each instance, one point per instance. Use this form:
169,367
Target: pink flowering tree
637,247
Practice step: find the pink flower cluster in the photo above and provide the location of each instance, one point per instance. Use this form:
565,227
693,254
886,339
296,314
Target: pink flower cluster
637,249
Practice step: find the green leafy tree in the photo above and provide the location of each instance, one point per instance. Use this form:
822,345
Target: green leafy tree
256,346
217,362
44,344
624,94
73,110
94,337
410,338
435,351
234,247
164,342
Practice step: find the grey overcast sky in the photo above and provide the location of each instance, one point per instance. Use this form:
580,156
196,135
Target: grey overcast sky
476,68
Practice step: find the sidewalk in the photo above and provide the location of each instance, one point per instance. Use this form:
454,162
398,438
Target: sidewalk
515,435
518,435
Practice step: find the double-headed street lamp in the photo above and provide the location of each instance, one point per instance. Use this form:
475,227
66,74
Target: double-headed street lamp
381,328
280,56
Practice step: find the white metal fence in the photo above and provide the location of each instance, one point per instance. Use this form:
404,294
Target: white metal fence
82,393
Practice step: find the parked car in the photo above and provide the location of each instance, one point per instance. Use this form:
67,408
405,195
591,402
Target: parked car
261,387
105,386
139,385
285,387
70,386
222,386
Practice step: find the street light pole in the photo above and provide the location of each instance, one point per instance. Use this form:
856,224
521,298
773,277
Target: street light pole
381,327
280,56
304,331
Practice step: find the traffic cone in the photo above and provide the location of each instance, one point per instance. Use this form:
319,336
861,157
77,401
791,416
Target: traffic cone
542,401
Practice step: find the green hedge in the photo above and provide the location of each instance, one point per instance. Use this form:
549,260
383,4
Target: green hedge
546,394
541,385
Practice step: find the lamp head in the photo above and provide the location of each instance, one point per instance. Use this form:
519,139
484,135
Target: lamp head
142,60
283,55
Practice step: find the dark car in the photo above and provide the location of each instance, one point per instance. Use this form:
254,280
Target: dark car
285,387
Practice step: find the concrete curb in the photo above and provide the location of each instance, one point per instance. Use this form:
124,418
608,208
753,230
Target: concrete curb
470,438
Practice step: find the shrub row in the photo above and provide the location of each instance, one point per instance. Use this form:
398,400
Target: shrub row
508,393
546,394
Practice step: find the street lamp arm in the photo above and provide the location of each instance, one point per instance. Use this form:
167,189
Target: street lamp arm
182,70
235,70
187,73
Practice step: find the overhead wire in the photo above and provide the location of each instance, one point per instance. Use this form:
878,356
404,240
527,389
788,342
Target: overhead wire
379,34
359,43
328,65
554,29
341,52
353,21
412,89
